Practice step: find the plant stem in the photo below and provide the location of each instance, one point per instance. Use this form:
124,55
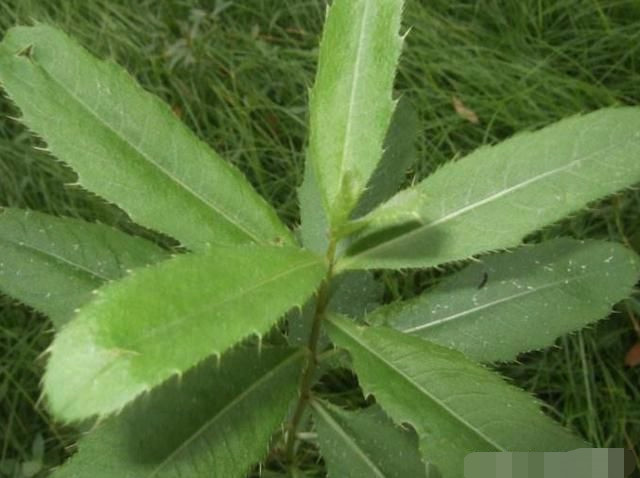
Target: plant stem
306,379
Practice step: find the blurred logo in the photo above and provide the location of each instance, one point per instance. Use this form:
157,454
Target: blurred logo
581,463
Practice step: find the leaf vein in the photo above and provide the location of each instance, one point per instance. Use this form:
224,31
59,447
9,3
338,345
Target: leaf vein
421,389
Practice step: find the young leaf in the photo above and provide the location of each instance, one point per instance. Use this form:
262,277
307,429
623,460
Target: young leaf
365,444
163,320
495,196
519,301
53,263
350,104
127,146
215,421
399,155
456,406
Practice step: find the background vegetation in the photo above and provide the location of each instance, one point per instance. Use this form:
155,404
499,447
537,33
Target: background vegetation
237,72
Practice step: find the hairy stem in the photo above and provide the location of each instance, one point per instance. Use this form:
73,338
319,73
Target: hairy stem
306,379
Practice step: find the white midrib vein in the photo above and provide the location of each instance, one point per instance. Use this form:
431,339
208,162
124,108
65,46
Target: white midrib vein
166,327
352,97
226,409
494,303
59,258
463,210
420,389
351,443
150,160
208,307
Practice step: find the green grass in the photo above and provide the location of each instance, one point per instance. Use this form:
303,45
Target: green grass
238,75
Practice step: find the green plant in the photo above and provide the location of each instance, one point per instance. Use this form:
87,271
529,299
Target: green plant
177,344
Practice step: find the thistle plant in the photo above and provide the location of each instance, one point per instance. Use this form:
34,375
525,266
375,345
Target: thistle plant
203,360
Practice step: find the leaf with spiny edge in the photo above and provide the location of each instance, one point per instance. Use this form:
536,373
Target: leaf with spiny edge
127,146
350,103
215,421
162,320
53,264
365,443
456,406
519,301
498,194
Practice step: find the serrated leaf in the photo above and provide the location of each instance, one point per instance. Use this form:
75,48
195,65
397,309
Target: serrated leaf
54,263
165,319
495,196
365,443
127,146
456,406
350,104
215,421
399,154
519,301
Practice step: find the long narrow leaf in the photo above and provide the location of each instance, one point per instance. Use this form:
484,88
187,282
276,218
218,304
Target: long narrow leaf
127,146
456,406
351,103
53,263
215,421
365,444
495,196
163,320
515,302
